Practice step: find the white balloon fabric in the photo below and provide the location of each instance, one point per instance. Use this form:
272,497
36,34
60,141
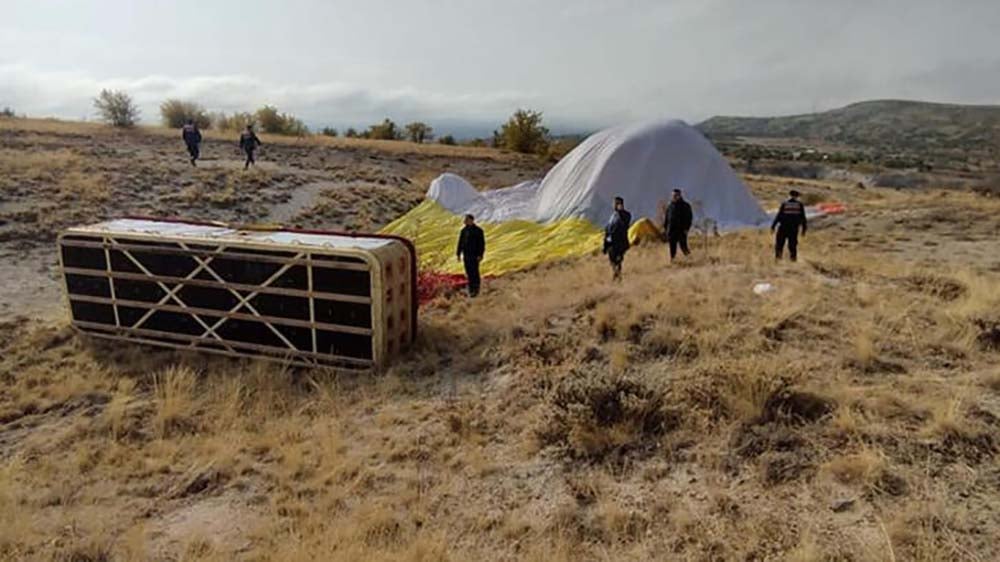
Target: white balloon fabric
641,163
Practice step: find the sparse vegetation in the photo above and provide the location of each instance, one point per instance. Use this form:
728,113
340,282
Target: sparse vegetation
448,140
329,132
848,415
524,133
386,130
236,121
419,132
7,113
116,108
275,123
175,113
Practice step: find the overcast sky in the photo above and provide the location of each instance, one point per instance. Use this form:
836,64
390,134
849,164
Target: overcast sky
466,64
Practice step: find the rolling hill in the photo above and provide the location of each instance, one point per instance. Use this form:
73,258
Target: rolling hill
895,125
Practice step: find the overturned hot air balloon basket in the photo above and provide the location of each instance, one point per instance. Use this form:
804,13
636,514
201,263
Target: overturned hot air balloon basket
305,298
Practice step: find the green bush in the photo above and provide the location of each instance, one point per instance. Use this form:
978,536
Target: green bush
419,132
447,139
329,132
351,133
524,132
176,113
7,113
386,130
275,123
116,108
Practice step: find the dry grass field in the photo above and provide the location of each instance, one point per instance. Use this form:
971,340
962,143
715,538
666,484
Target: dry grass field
853,413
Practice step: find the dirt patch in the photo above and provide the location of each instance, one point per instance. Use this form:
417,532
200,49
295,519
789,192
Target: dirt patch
223,523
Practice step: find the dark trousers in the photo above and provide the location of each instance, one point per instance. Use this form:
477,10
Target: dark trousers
194,151
616,258
472,274
250,160
791,235
675,239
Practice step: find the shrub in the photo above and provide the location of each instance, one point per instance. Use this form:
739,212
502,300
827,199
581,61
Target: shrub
419,132
329,132
234,122
351,133
7,113
447,139
594,414
176,113
275,123
116,108
524,132
561,147
386,130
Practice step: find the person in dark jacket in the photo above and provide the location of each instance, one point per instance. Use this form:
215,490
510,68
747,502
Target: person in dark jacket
192,138
248,144
676,223
471,249
616,238
791,216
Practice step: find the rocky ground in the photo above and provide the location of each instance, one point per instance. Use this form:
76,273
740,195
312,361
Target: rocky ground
852,413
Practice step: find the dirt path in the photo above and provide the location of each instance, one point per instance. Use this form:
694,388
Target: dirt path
302,199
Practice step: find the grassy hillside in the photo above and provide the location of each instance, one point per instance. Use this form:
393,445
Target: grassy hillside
853,413
884,124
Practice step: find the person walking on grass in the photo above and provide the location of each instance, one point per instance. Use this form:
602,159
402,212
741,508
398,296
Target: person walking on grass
471,248
192,138
248,144
676,223
616,238
791,216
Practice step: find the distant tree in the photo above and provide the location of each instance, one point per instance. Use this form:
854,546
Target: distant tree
175,113
475,142
561,147
275,123
235,122
447,139
116,108
419,132
329,132
524,132
7,113
386,130
351,133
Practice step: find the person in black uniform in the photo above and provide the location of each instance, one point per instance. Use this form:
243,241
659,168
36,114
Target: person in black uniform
248,144
676,223
791,216
616,238
471,248
192,138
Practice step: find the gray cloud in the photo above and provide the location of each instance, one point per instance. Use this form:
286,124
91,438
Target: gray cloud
586,64
64,94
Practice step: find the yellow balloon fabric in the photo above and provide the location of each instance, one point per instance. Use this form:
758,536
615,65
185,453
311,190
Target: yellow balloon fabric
510,246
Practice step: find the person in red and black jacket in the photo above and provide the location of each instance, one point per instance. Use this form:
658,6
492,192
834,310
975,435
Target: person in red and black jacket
790,218
471,249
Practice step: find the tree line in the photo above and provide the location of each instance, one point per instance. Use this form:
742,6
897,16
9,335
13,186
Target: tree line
523,132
